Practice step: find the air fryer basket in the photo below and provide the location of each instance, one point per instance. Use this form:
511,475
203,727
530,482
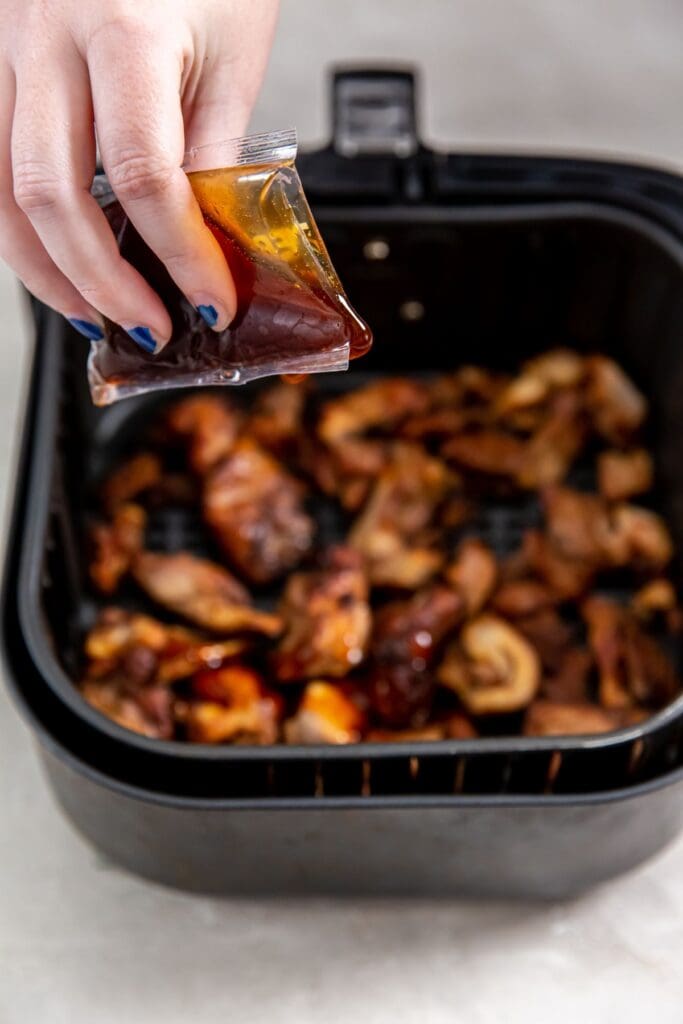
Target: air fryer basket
499,258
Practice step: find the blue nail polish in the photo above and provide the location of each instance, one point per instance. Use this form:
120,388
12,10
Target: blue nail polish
209,313
89,330
143,337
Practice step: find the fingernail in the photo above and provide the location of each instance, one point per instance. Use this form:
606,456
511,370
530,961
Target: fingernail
88,329
142,336
214,315
209,314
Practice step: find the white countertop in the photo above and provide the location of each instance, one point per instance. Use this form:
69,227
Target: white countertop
83,943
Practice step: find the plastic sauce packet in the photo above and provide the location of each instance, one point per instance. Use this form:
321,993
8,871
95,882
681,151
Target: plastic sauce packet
292,315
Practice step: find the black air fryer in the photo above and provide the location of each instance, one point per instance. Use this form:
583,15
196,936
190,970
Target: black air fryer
451,258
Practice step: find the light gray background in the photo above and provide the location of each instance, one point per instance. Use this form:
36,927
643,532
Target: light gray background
82,942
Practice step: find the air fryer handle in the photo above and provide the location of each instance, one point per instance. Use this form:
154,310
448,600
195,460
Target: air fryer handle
373,112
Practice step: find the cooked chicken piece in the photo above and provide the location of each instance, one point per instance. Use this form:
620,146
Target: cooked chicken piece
633,668
554,446
559,368
233,706
569,684
406,641
492,667
115,545
327,620
255,509
567,576
148,711
137,649
522,393
622,475
515,598
117,631
407,569
208,425
580,527
381,405
402,503
325,715
547,718
550,636
488,451
131,479
643,536
652,679
616,406
202,592
473,574
435,731
476,385
276,420
436,424
654,598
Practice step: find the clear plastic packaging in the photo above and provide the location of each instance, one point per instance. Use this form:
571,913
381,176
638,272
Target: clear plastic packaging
292,316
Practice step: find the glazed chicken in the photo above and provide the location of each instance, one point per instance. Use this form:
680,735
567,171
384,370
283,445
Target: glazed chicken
115,545
256,512
401,504
327,620
201,592
448,557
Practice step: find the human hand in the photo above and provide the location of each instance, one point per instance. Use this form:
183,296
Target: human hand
155,77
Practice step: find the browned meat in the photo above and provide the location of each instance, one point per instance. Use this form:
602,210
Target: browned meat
137,649
547,718
515,598
555,444
326,714
570,683
148,712
616,406
115,544
657,598
488,451
381,405
623,475
402,503
276,421
632,667
549,634
233,706
208,425
255,508
201,592
406,641
567,576
473,573
327,620
131,479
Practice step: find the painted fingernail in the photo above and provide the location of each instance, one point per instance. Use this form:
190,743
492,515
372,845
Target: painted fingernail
89,330
209,314
142,336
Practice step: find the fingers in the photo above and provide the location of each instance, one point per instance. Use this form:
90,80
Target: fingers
136,78
21,248
53,157
218,102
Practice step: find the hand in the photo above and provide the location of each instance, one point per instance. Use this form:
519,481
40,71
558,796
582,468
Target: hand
154,77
